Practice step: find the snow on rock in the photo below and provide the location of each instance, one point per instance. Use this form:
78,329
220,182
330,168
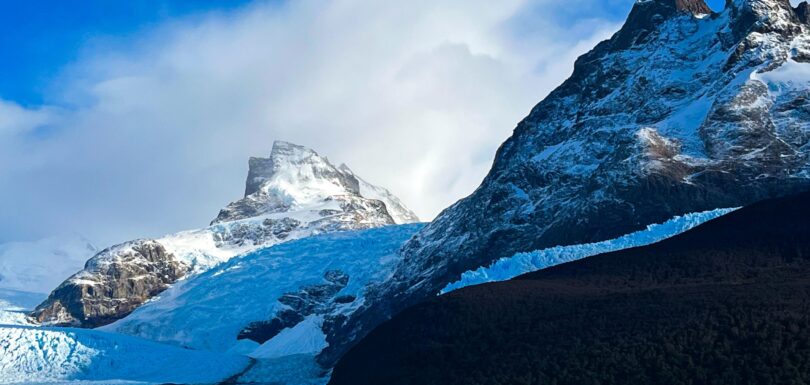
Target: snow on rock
295,178
307,280
522,263
276,304
304,338
293,194
395,207
42,355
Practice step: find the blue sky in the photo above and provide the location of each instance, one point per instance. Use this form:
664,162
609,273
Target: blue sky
128,119
36,40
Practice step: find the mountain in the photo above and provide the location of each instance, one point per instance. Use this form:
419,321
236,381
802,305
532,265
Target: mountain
295,177
725,303
682,110
292,194
276,304
38,266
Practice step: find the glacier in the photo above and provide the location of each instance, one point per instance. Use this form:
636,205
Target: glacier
189,333
522,263
212,310
33,355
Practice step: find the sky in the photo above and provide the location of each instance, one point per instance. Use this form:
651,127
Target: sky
130,119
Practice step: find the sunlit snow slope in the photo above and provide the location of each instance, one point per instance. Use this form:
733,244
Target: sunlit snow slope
309,281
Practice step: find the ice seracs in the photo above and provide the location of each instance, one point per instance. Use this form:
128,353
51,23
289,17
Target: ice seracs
30,355
292,194
522,263
275,304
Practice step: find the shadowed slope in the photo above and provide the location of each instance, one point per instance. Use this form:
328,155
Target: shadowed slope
727,302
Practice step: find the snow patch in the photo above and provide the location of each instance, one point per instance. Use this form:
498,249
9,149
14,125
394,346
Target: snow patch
305,338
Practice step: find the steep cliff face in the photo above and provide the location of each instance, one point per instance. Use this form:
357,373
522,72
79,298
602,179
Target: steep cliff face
292,194
682,110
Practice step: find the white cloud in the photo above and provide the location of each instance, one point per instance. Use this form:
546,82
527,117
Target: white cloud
16,120
415,96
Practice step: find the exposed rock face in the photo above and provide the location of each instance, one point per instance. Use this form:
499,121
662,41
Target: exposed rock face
292,194
725,291
803,12
295,176
115,284
320,299
677,113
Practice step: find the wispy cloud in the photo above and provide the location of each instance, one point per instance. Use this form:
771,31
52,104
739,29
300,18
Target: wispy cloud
153,136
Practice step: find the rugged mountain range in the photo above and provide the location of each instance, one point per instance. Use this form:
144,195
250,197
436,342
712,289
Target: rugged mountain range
292,194
725,303
682,110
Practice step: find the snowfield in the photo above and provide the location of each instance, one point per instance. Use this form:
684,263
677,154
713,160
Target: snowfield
208,310
30,355
522,263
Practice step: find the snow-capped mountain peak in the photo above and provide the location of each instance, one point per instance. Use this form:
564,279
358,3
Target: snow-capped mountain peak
294,193
298,175
296,178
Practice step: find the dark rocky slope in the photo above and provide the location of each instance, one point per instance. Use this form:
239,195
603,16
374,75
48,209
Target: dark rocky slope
725,303
680,111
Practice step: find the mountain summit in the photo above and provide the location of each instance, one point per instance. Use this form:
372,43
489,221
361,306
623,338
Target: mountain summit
294,177
292,194
682,110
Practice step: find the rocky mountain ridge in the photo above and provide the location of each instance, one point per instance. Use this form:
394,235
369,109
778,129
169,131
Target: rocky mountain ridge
292,194
682,110
722,303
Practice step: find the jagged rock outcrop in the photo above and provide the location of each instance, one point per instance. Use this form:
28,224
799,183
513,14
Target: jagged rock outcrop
319,299
803,12
295,176
114,282
292,194
680,111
